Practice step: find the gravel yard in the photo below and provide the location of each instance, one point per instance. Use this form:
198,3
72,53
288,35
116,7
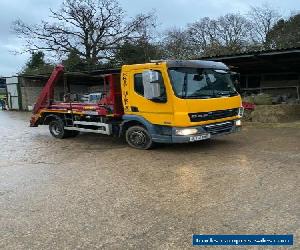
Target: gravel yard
94,191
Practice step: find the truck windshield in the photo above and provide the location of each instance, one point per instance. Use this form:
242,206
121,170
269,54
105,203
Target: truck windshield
196,83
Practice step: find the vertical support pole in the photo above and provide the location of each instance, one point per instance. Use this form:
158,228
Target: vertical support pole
298,93
261,78
6,93
66,89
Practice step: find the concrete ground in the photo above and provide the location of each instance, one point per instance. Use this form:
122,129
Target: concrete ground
95,192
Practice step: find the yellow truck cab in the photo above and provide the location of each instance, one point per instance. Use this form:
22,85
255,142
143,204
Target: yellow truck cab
158,102
181,101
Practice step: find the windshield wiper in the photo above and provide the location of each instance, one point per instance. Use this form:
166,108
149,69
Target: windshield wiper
219,93
227,93
201,96
234,93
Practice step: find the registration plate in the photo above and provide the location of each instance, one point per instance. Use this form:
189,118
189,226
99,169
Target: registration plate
199,137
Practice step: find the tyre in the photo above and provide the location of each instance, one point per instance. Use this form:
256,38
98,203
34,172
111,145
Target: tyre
56,128
138,137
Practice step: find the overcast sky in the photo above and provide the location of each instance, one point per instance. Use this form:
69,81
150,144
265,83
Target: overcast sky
170,13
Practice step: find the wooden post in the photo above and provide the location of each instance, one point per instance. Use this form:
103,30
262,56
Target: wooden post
298,92
261,78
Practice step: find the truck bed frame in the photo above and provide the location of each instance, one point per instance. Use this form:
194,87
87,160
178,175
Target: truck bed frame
97,117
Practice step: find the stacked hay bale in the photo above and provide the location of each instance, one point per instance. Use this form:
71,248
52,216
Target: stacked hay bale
249,99
247,115
263,99
267,113
276,113
260,99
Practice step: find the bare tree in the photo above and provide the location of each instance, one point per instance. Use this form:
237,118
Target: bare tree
227,34
233,32
262,20
147,34
203,37
147,27
175,44
91,28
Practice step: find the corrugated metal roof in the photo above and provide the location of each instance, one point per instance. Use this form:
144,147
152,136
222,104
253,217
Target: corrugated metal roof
254,53
75,74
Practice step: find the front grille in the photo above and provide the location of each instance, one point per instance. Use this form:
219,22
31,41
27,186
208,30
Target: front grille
213,115
219,127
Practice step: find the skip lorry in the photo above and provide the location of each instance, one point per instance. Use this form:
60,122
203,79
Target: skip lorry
159,102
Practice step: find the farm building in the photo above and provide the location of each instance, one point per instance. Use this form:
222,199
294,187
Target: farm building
2,87
276,72
2,83
23,90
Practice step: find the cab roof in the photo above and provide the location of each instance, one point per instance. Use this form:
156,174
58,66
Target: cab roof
182,63
196,64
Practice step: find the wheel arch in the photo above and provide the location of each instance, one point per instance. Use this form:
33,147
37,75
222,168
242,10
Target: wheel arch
48,117
134,120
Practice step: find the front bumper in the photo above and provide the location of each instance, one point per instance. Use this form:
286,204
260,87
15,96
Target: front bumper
213,130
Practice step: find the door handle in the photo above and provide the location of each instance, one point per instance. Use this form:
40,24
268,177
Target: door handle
134,109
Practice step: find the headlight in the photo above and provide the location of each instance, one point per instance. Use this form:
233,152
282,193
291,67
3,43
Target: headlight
238,123
241,112
186,131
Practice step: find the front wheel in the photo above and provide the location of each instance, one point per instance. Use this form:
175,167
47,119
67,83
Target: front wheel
138,137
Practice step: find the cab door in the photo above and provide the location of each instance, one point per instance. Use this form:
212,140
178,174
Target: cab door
159,111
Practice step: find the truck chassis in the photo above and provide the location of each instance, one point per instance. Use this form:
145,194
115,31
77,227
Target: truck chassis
69,118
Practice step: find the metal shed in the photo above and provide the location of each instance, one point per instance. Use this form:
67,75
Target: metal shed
272,71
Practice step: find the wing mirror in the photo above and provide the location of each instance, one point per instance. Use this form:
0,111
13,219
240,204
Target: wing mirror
151,84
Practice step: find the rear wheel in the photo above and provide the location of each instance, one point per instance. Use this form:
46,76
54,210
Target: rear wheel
56,128
138,137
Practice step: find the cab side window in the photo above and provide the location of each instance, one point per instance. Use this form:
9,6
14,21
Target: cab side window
138,84
139,87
